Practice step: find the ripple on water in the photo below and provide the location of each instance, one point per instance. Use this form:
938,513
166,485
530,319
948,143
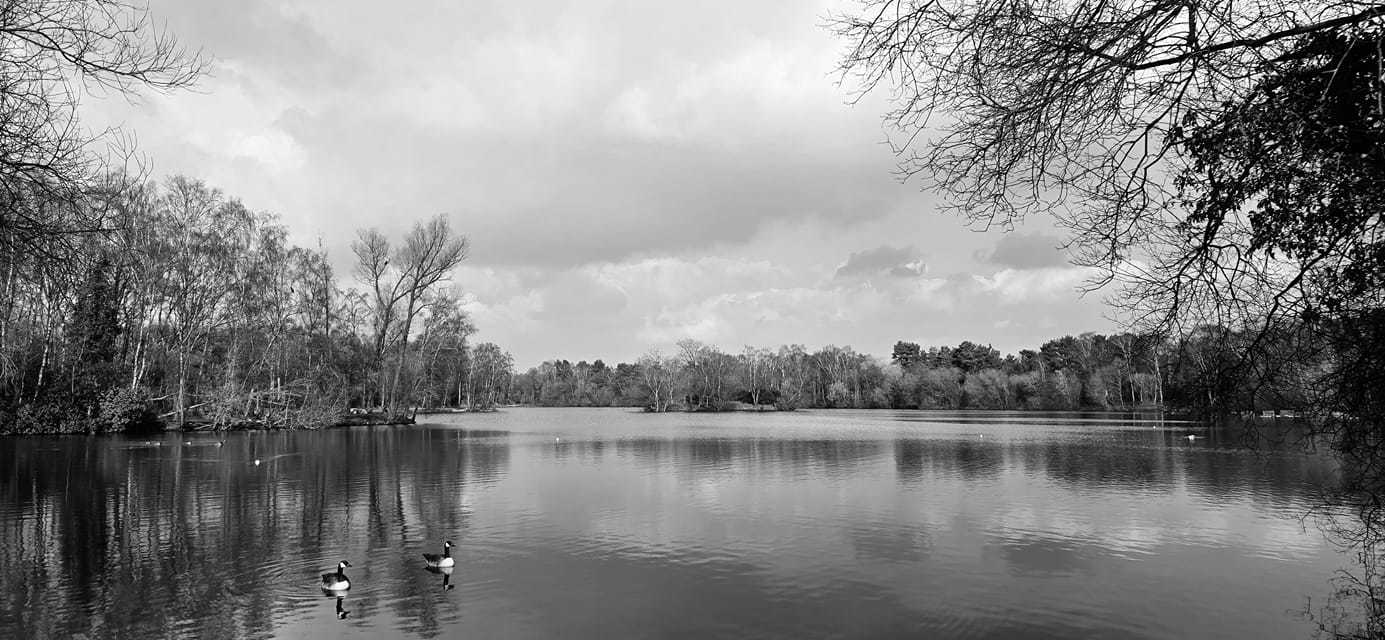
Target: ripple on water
818,524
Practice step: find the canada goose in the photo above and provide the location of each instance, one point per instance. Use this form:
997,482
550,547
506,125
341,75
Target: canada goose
444,560
336,581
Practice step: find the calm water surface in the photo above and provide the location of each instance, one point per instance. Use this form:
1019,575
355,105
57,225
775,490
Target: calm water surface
606,523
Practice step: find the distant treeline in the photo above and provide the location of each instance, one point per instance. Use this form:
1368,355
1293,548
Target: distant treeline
1089,371
149,304
175,304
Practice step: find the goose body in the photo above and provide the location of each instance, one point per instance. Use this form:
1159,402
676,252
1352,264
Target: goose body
336,581
446,576
444,560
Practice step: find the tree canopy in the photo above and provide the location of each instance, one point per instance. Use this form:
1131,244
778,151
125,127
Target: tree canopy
54,53
1219,161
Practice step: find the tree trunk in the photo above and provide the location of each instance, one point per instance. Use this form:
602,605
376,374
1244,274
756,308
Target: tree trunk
470,382
139,353
9,305
1158,380
181,400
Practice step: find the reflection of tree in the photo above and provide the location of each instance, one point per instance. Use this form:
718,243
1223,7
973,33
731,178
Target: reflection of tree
1044,557
915,459
908,460
713,455
1356,607
1143,459
899,544
115,539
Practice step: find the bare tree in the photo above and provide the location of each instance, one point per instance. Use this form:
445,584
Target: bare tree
1214,158
399,280
54,52
490,368
1079,109
659,374
1222,161
791,372
755,364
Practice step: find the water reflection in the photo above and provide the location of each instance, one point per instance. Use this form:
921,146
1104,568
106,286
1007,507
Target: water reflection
446,573
185,540
1043,557
711,455
1138,461
611,524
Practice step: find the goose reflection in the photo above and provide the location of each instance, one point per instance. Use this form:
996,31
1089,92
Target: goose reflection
446,576
341,612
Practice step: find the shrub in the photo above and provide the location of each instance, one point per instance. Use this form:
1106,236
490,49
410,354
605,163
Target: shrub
125,409
43,418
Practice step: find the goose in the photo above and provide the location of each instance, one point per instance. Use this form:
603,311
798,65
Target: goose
444,560
336,581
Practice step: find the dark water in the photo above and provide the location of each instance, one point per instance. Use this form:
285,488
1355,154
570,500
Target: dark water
604,523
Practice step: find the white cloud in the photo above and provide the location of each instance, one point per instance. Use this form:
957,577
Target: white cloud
1013,286
270,147
618,310
629,173
631,113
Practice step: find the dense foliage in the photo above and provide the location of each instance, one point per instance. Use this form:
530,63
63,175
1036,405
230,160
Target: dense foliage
1090,371
193,308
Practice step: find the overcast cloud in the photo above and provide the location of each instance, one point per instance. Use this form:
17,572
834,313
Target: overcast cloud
629,173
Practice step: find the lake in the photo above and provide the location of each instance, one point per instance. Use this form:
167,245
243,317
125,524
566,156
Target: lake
607,523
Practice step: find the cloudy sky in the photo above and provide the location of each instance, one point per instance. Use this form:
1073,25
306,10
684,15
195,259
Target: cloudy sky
629,173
